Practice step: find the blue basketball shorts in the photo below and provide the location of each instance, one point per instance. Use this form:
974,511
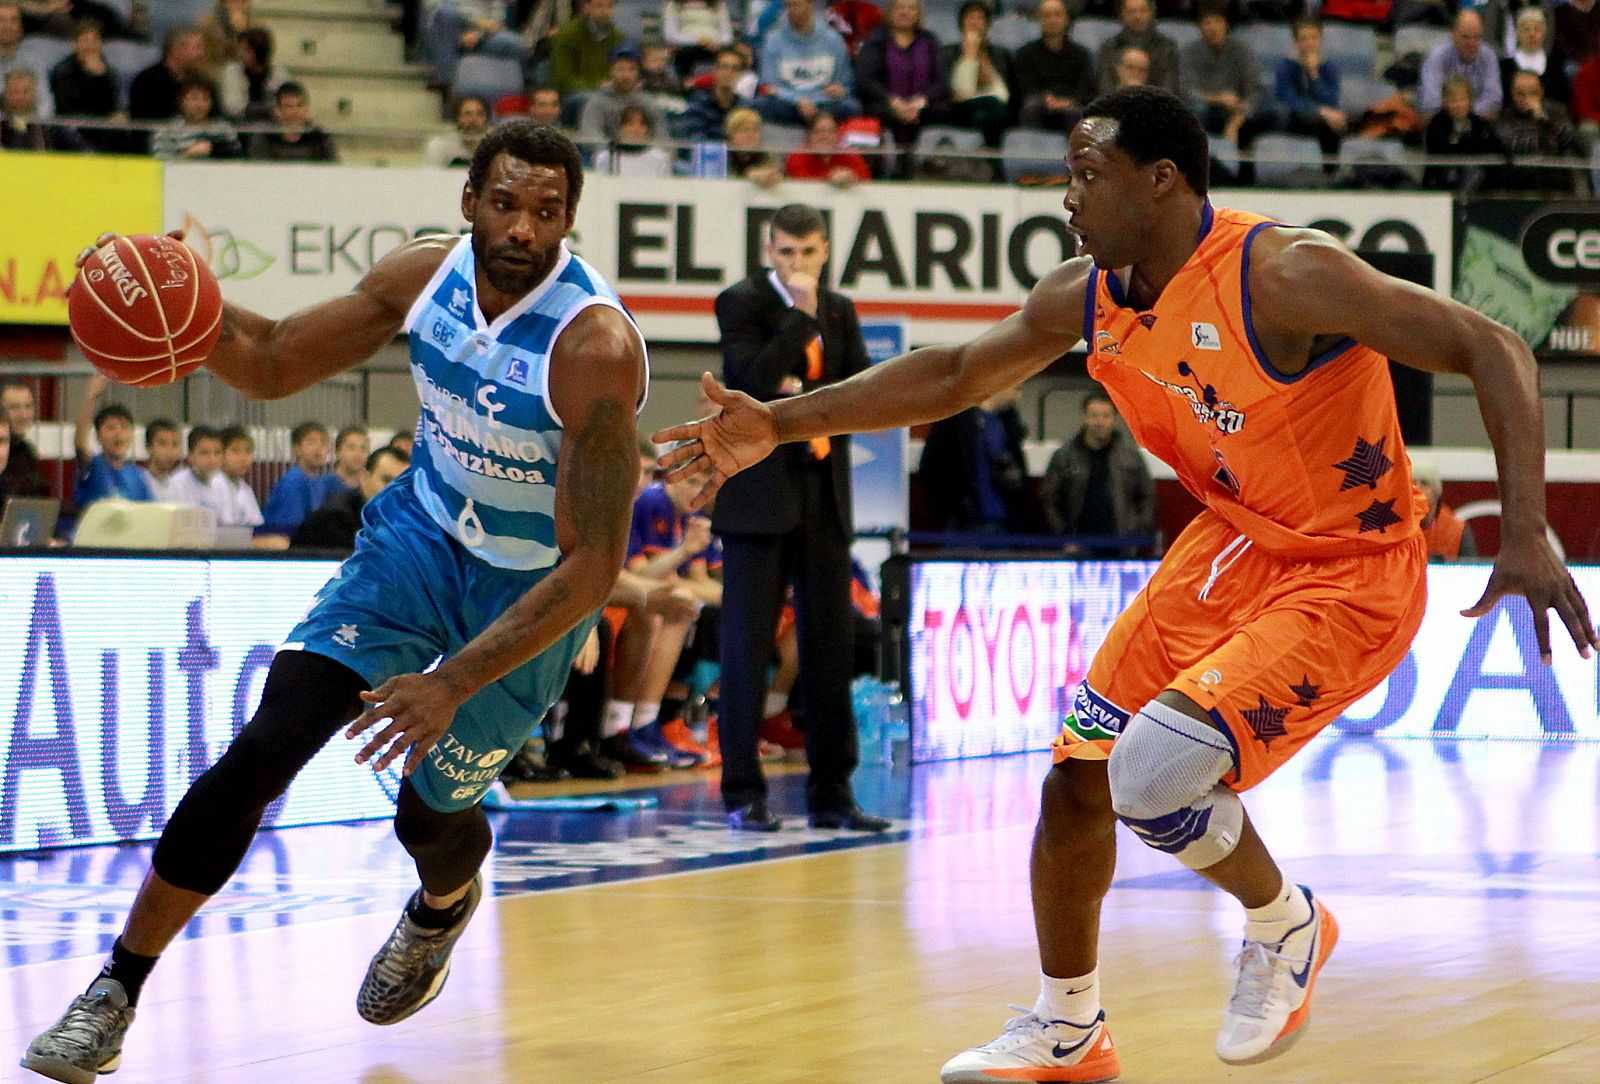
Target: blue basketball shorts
410,595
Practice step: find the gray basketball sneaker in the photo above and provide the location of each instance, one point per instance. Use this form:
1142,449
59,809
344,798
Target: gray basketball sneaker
410,969
87,1040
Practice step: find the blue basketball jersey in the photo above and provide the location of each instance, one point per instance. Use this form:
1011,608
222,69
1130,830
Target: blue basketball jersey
484,463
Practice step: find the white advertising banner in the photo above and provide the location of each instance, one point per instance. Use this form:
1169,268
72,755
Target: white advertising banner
997,650
128,677
951,259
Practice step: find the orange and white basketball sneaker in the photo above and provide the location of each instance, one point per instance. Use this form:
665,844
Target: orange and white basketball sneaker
1271,1003
676,734
1033,1048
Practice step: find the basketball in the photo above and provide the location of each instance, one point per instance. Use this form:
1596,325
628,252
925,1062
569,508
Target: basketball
145,309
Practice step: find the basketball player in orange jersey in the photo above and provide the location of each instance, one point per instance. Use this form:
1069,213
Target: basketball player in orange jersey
1249,356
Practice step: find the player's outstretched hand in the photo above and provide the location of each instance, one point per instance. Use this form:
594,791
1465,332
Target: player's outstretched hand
740,434
106,238
419,707
1529,567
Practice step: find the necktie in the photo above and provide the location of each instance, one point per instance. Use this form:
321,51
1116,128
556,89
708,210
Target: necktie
820,446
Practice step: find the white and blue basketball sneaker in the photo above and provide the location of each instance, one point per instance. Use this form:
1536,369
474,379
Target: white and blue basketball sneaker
1033,1048
1271,1002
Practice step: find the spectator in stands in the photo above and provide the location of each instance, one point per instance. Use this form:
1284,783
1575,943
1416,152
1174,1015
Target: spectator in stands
1221,79
1097,483
602,111
351,446
658,77
458,28
22,475
1055,75
296,138
698,30
823,159
195,483
580,53
973,472
403,439
250,82
632,155
1535,127
980,76
1446,534
1577,26
238,452
1533,54
1308,91
334,525
706,117
84,85
21,126
1132,68
545,106
901,74
745,157
1586,99
854,20
1139,31
14,58
5,458
806,69
1466,55
154,94
163,449
220,31
1457,130
110,472
197,131
454,150
306,486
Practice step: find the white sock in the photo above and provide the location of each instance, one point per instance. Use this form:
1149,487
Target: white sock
776,702
1076,1001
645,713
1273,921
619,715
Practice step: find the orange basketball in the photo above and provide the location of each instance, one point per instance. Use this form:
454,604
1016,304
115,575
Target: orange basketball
145,309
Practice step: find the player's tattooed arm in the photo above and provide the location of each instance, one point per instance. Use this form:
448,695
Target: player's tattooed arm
269,359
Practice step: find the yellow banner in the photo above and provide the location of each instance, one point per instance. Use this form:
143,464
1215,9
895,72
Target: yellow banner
55,205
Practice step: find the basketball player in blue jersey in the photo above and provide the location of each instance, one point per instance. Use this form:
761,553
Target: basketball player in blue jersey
496,550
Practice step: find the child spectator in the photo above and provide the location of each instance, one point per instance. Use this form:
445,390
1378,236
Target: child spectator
334,525
110,472
350,450
163,446
633,156
196,132
238,453
822,159
306,486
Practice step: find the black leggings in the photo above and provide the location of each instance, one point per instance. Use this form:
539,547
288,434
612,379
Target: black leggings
308,698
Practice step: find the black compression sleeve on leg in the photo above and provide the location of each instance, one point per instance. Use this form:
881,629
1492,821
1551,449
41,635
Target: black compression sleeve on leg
307,698
448,848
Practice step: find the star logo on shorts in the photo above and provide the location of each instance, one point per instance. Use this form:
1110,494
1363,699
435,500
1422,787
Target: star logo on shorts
1306,692
346,635
1365,466
1265,720
1379,516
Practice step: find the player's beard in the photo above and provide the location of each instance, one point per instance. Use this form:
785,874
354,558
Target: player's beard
513,279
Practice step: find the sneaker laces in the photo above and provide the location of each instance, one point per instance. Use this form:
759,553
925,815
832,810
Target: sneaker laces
87,1021
406,948
1254,985
1021,1029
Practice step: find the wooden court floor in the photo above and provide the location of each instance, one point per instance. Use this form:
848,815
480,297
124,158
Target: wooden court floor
1465,880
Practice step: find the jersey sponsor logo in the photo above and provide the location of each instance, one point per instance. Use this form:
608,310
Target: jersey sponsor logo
460,300
1106,343
1092,718
465,766
1207,406
1205,336
485,465
487,402
443,333
517,372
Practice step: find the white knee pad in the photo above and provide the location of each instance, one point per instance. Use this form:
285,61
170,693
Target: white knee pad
1165,773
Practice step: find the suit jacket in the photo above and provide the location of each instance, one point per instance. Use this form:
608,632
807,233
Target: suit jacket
764,341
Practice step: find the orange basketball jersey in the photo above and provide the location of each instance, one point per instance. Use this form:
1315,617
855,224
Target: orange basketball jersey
1304,465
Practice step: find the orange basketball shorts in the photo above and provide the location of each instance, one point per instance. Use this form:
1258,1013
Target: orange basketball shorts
1276,649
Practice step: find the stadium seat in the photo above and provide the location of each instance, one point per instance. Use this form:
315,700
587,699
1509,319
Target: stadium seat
128,59
1013,31
782,138
1357,95
1594,171
169,14
1288,161
939,17
1390,154
487,77
1032,152
1181,33
1418,39
1271,42
1226,153
1354,48
42,53
937,140
1091,32
631,18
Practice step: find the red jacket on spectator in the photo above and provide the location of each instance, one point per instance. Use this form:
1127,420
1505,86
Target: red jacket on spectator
1586,92
805,165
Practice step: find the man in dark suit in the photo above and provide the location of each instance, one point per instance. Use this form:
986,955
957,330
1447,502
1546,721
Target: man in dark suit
787,521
